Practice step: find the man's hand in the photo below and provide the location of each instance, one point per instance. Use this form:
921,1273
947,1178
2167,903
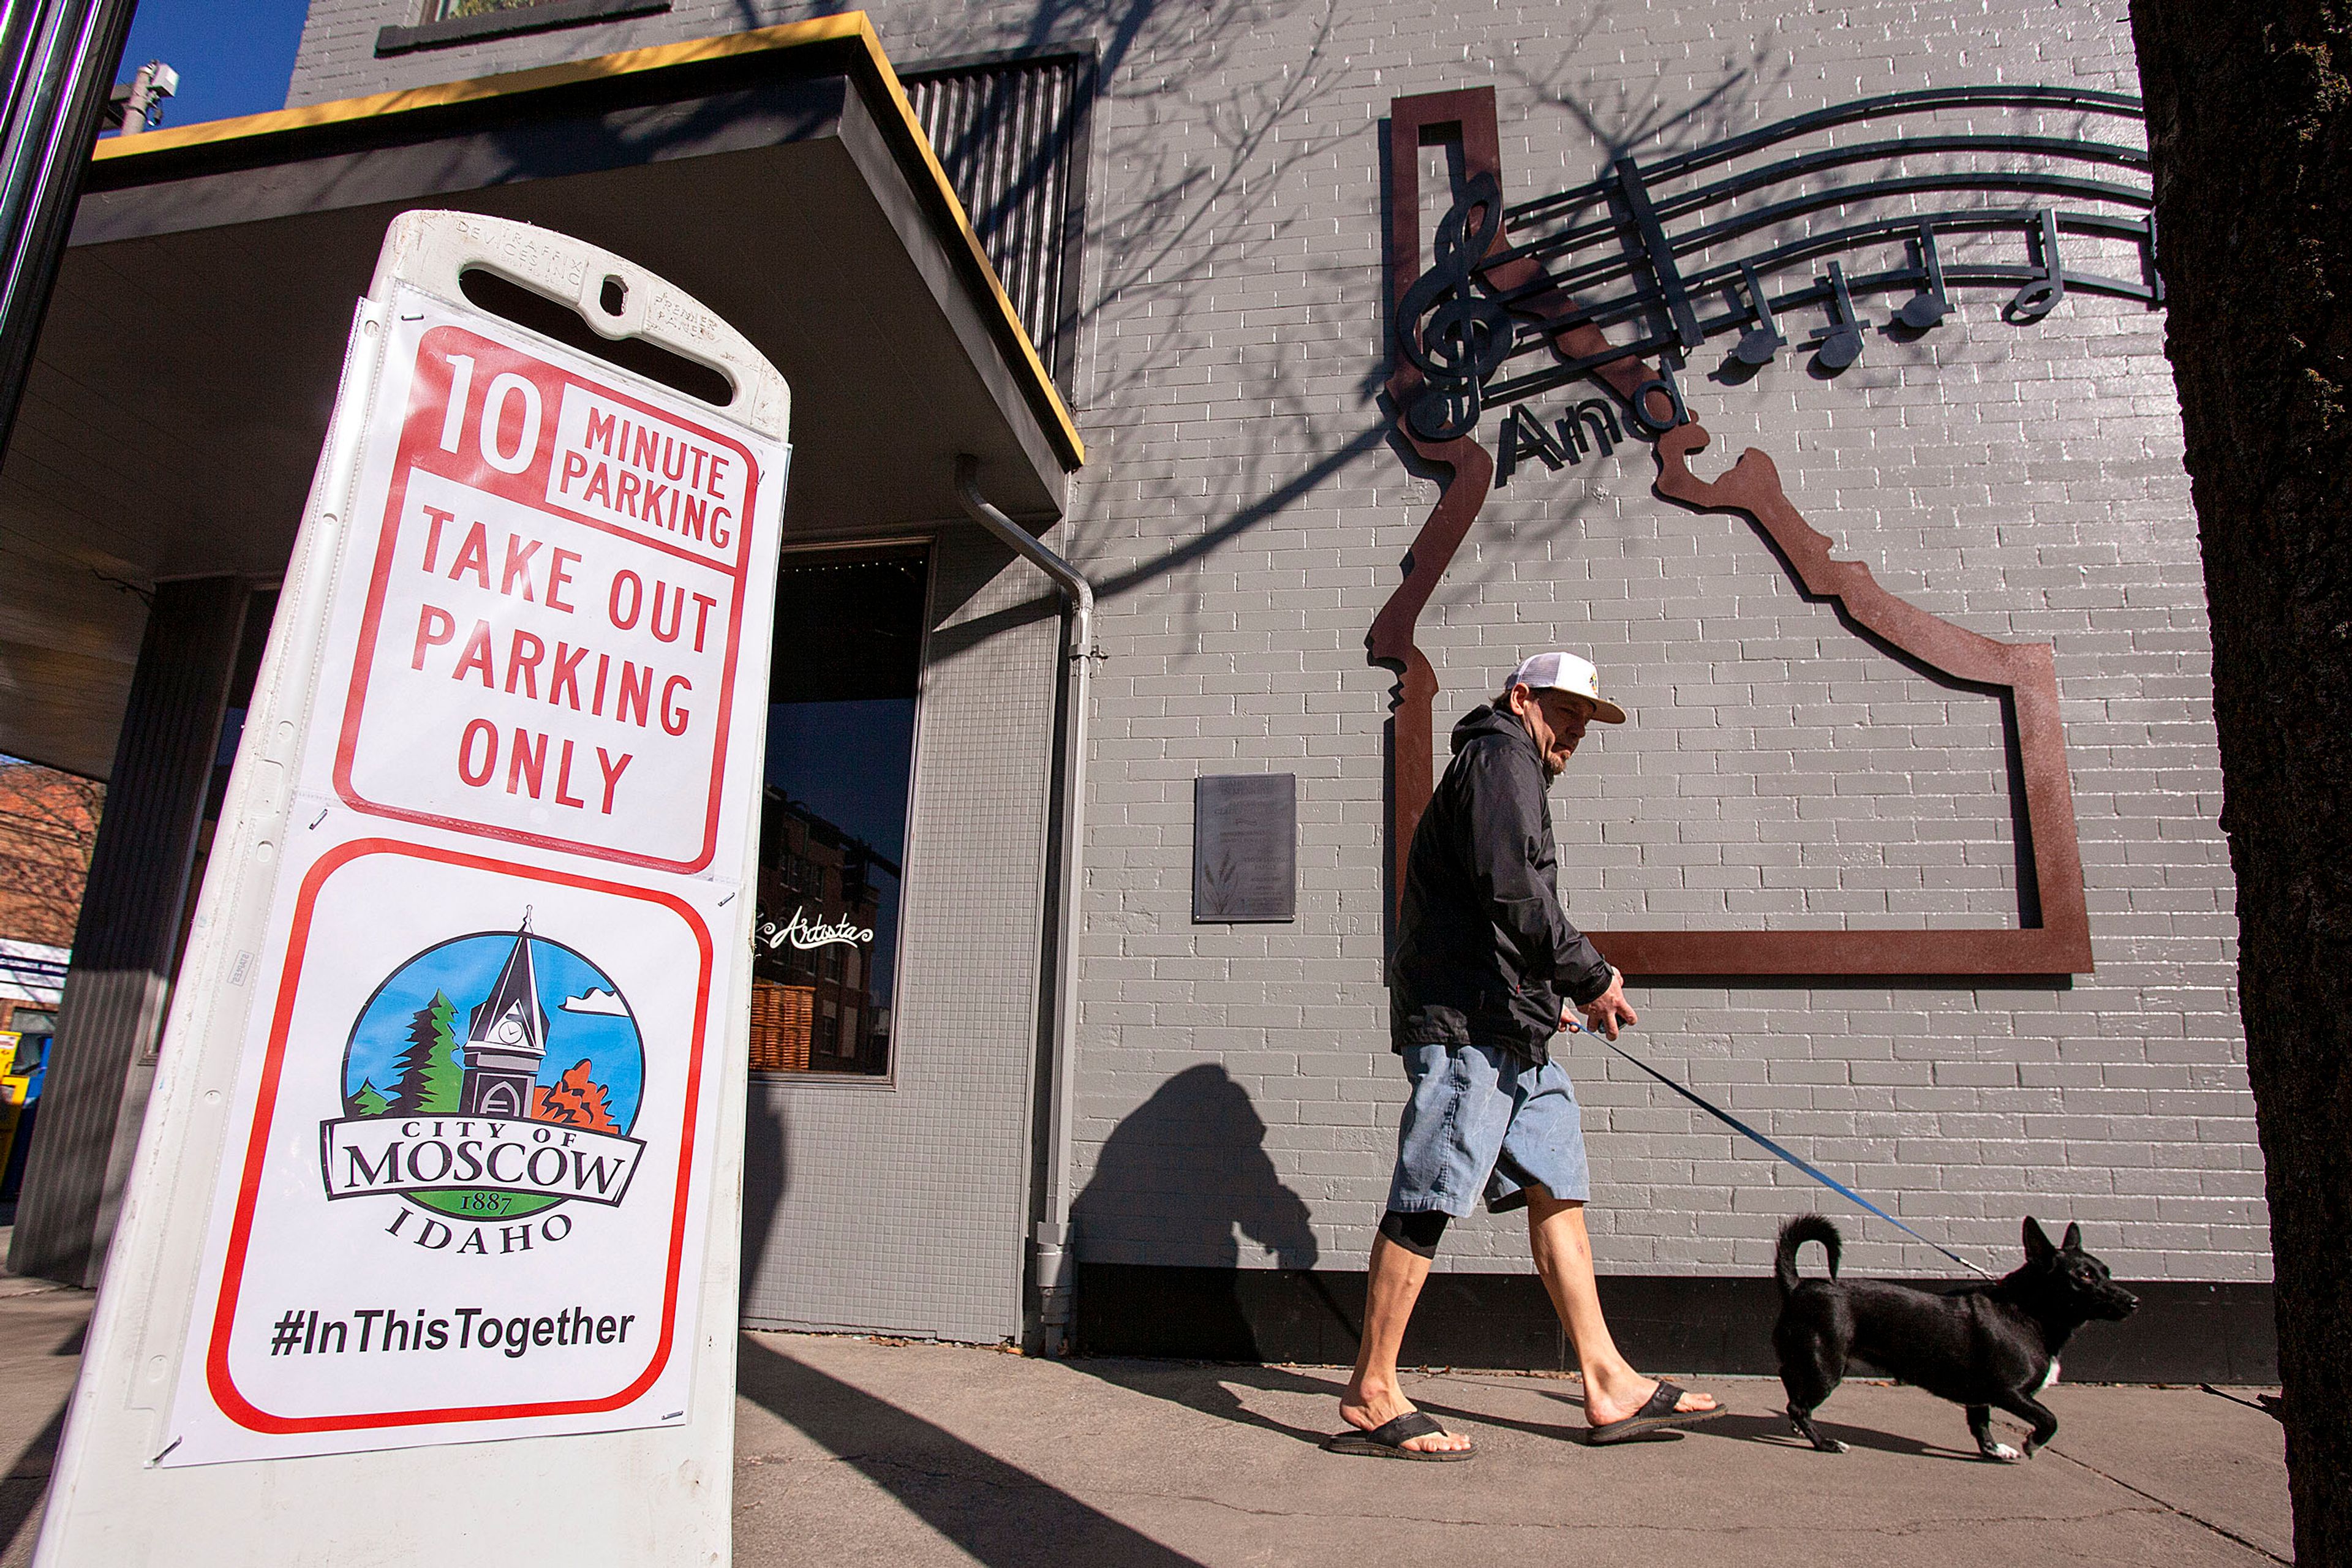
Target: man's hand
1608,1012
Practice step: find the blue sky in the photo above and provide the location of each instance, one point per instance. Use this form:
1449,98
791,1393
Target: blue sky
233,56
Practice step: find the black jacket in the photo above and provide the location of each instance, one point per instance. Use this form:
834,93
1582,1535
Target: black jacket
1484,950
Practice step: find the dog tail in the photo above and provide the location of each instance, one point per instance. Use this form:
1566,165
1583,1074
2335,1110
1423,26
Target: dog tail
1794,1234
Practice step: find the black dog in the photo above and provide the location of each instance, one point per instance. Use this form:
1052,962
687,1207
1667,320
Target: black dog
1984,1346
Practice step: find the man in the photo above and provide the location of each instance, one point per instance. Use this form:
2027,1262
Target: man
1486,970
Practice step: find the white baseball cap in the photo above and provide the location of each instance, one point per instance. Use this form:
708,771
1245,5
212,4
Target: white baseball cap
1566,672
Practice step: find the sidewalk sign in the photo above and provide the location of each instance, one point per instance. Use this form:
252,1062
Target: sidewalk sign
430,1243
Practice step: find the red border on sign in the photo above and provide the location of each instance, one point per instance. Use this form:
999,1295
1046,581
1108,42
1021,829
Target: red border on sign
218,1378
420,447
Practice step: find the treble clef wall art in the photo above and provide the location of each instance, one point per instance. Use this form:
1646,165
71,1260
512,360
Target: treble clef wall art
1627,280
1450,326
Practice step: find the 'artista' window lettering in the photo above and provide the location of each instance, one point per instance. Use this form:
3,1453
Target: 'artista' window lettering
805,934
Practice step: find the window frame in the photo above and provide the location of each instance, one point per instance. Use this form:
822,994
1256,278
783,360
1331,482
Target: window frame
928,544
435,32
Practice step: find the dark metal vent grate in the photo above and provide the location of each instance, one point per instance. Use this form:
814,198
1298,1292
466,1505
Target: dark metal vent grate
1012,135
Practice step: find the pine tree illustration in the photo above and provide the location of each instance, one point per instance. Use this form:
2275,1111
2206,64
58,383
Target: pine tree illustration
574,1100
431,1074
370,1101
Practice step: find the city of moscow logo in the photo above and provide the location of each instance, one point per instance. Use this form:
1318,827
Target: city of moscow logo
493,1077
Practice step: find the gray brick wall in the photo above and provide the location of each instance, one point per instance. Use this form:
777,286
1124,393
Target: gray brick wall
911,1192
1249,521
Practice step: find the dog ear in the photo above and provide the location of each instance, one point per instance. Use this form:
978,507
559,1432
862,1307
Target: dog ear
2037,1246
2073,1242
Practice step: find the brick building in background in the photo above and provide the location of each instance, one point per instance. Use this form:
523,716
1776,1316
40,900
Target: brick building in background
2014,990
814,878
49,825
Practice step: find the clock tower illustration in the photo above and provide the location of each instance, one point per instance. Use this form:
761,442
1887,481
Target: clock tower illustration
506,1038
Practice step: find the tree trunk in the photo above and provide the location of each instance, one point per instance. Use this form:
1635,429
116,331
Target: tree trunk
2250,115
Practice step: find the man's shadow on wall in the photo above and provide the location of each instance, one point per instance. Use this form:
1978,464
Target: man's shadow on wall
1179,1182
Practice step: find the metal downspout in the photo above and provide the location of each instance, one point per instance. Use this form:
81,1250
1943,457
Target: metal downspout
1051,1237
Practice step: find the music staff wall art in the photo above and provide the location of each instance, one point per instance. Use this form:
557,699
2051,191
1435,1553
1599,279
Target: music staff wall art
1628,278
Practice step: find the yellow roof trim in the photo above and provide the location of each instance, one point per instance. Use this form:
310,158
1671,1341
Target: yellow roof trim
847,25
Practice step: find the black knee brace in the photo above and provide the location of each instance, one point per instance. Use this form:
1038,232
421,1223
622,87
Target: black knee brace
1416,1233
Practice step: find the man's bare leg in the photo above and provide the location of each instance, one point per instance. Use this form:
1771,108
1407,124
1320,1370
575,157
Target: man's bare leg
1563,1252
1372,1398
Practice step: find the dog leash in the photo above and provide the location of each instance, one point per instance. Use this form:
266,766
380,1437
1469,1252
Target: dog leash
1823,1177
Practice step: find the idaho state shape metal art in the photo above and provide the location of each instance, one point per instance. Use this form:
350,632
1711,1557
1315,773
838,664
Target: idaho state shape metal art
1490,323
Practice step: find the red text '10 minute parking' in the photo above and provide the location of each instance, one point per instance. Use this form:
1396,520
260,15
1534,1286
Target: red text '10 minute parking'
550,630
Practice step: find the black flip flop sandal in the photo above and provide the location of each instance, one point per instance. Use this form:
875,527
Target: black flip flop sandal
1656,1415
1387,1442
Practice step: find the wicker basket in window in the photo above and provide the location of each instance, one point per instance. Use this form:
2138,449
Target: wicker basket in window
781,1018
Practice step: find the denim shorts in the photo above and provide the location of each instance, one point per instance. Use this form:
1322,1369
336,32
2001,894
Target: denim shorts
1482,1121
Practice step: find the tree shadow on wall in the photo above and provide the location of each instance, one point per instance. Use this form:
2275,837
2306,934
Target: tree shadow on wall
1179,1181
1220,203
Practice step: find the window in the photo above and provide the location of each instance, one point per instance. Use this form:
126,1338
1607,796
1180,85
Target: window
832,826
443,23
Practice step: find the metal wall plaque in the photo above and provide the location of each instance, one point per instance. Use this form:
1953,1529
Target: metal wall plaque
1245,848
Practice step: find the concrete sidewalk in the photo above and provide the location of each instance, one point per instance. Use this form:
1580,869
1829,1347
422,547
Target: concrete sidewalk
853,1451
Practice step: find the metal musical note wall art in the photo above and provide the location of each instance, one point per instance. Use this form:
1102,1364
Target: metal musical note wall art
1628,279
1613,246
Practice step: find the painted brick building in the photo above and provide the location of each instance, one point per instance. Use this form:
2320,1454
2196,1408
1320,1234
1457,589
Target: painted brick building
47,823
1246,511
